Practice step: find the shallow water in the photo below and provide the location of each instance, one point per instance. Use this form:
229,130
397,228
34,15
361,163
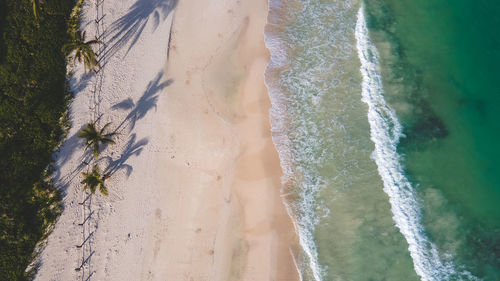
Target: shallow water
369,162
441,64
342,213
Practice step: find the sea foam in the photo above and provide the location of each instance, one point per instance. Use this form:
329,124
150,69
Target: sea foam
386,131
303,223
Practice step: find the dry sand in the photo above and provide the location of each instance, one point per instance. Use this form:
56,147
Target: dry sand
196,190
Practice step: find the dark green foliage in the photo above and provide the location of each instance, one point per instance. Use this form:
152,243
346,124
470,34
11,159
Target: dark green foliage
33,99
94,180
81,50
94,138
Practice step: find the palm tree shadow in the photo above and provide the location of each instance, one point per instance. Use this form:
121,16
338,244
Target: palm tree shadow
132,148
125,104
79,84
129,27
63,182
69,148
145,103
64,154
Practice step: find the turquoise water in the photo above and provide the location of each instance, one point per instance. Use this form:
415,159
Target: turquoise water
385,130
442,65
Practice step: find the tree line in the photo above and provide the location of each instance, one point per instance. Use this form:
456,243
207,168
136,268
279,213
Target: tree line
37,36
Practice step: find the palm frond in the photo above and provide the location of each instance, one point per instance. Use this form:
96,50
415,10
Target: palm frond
83,50
89,144
92,42
92,180
69,48
95,151
104,128
94,137
106,140
103,189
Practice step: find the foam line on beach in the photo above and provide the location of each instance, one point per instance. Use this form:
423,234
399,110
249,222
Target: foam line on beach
304,223
385,131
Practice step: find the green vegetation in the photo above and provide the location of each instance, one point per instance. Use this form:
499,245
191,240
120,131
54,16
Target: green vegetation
36,7
82,50
34,96
94,138
94,180
36,37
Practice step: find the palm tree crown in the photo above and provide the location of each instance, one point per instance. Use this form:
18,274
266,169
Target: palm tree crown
93,137
93,181
82,50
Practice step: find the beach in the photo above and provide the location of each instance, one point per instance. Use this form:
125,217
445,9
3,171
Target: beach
195,180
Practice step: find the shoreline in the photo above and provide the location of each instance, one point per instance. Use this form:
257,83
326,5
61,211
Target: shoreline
197,192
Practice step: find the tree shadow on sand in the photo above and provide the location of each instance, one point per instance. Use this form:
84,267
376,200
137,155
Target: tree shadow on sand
129,27
64,181
132,148
144,104
77,85
65,154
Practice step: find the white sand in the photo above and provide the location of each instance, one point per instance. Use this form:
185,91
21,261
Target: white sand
197,193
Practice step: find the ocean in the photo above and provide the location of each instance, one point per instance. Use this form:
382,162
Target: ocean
385,119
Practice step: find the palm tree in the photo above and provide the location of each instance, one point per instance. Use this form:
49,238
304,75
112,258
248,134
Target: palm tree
93,137
83,50
93,181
